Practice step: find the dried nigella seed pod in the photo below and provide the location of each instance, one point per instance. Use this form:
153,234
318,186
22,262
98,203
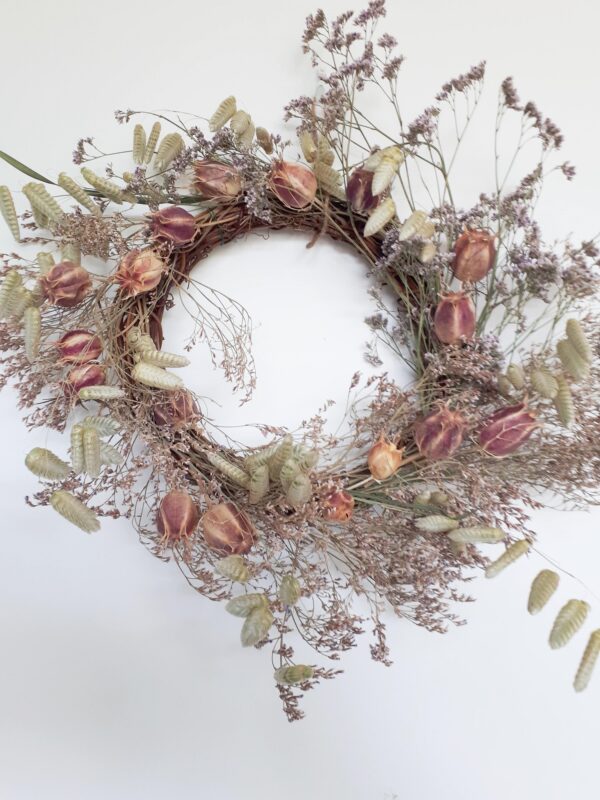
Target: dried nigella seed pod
568,621
177,518
227,529
436,523
440,433
511,554
256,626
544,383
380,216
384,459
33,327
66,284
293,184
563,402
474,255
140,271
45,464
358,191
79,347
91,452
85,375
216,181
578,340
179,408
233,568
454,319
573,363
507,429
299,491
542,588
289,590
242,605
477,534
516,375
225,111
259,484
8,211
151,143
588,661
155,377
338,506
72,509
173,224
78,193
293,674
139,144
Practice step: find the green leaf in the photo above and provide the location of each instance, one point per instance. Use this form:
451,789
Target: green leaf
26,170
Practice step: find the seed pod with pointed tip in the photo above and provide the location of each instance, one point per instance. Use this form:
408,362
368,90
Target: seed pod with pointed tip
103,185
8,211
45,262
177,517
379,217
259,484
233,568
227,529
139,144
439,434
224,112
563,402
91,452
511,554
73,510
84,375
242,605
280,456
232,471
289,590
78,193
162,359
477,534
176,410
12,281
436,523
516,375
155,377
293,674
506,430
578,340
454,318
151,143
338,506
265,140
588,661
33,327
40,198
239,122
568,621
384,459
110,455
542,588
428,252
173,224
140,271
299,491
101,392
79,347
573,363
246,138
45,464
294,185
215,180
418,224
105,425
474,255
289,469
256,626
307,145
544,383
66,284
77,459
171,145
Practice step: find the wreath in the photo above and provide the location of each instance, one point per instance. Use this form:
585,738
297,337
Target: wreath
497,326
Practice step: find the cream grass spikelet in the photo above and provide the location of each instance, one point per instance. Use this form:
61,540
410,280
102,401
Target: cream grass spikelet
45,261
543,587
239,122
436,523
102,392
379,217
261,457
299,491
18,302
140,341
373,160
71,252
225,111
45,464
265,140
289,591
259,484
246,138
544,383
73,510
103,185
439,498
563,402
578,340
280,456
169,148
307,145
307,458
232,471
511,554
293,674
109,455
162,359
422,499
41,199
329,179
477,534
428,253
383,175
588,662
139,144
234,568
151,143
155,377
105,425
32,319
256,626
78,193
77,459
91,452
573,363
516,375
324,155
568,621
12,281
289,469
9,212
242,605
417,224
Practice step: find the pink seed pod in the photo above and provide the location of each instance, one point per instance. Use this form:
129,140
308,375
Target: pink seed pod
79,346
65,284
338,506
140,271
474,255
85,375
227,529
215,180
294,185
507,429
177,517
174,225
454,318
440,434
358,191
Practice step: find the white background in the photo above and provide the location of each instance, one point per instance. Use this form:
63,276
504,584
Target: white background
116,680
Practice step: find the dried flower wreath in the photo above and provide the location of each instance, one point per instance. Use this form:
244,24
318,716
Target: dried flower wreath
291,533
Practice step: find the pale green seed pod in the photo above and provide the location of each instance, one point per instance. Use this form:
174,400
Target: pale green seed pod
289,590
436,523
232,471
102,393
516,376
139,341
579,340
45,262
233,568
73,510
422,499
45,464
563,402
103,185
280,456
542,588
77,460
78,193
572,361
588,661
511,554
299,491
505,387
259,484
325,154
139,144
169,148
307,145
246,139
242,605
155,377
151,143
293,674
439,498
41,220
91,452
255,460
418,224
477,534
306,457
32,318
105,425
256,626
568,621
41,199
380,216
265,140
239,122
162,359
459,549
18,301
109,455
544,383
71,252
288,472
225,111
9,212
12,281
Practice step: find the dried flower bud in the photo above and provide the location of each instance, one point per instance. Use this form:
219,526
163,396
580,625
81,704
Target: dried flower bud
506,430
338,506
384,459
440,434
227,529
140,271
177,517
65,284
178,409
174,224
216,180
293,184
454,318
85,375
359,193
474,255
79,346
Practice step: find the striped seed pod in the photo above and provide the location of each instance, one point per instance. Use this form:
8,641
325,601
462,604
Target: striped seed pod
41,199
161,359
41,220
155,377
45,464
109,455
101,392
139,341
579,340
280,456
246,138
516,375
568,621
169,148
91,452
573,363
307,145
256,626
77,460
299,491
151,143
12,281
259,484
225,111
544,383
511,554
18,302
289,590
105,425
232,471
543,587
436,523
477,534
293,674
139,144
33,326
265,140
588,661
428,253
242,605
418,224
73,510
45,262
9,212
103,185
380,216
307,458
289,469
563,402
239,122
234,568
78,193
260,457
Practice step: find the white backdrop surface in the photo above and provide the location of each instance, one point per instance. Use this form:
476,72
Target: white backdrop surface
116,680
